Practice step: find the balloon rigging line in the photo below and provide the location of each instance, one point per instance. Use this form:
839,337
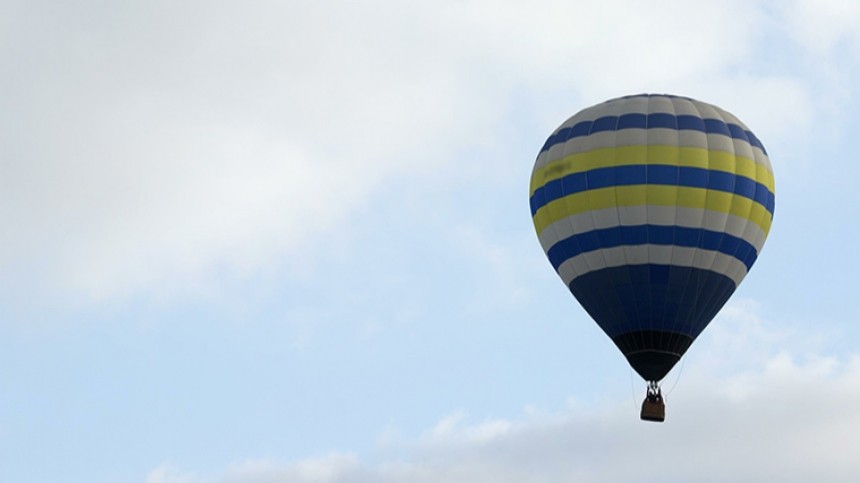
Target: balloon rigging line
678,377
633,390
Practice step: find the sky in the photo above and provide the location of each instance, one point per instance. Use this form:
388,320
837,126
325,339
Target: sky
276,241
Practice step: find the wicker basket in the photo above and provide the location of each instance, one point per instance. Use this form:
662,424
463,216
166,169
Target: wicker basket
653,409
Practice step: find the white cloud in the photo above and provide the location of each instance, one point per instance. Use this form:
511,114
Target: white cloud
156,149
794,421
204,141
169,474
333,467
822,25
755,403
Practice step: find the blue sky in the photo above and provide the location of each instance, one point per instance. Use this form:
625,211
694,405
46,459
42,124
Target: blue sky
290,241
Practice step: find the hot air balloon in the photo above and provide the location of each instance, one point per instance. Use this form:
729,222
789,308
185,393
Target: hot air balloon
652,209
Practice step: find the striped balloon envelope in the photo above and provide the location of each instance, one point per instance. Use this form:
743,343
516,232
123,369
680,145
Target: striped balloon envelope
652,209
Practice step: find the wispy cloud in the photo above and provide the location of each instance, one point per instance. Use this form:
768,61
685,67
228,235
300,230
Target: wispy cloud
169,474
755,403
165,150
792,422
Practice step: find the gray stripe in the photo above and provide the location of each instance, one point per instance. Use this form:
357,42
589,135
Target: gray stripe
655,254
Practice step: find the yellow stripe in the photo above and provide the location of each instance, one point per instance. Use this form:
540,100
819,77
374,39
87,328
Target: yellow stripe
666,155
645,194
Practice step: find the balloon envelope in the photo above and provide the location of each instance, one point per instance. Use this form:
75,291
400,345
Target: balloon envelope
652,209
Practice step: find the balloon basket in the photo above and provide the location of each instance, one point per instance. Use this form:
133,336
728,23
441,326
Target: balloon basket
653,407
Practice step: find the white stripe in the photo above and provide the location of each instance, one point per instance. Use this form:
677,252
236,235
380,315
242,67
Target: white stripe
640,215
686,107
736,225
661,104
658,215
654,254
743,148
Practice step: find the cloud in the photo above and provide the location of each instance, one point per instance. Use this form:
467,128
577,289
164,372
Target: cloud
208,140
160,150
756,402
823,25
333,467
169,474
795,421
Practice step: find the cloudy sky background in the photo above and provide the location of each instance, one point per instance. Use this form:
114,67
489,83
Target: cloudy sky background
290,241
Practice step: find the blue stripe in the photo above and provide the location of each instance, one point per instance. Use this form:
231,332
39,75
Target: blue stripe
652,297
655,235
652,174
654,120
